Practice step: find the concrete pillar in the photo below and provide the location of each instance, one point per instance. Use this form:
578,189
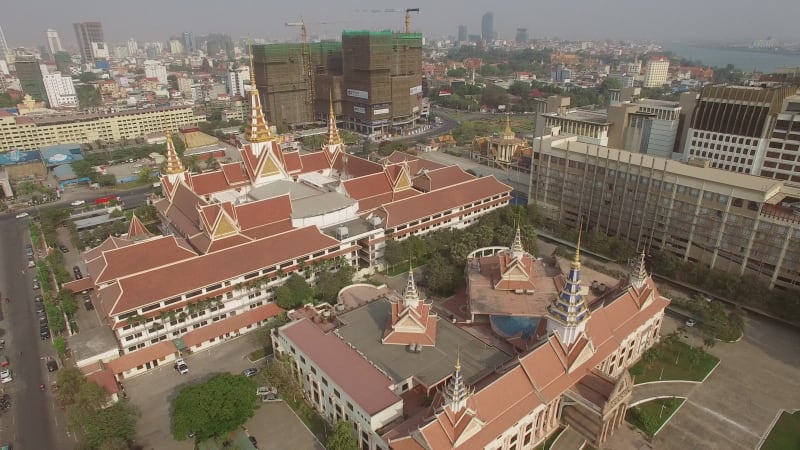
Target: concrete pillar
778,265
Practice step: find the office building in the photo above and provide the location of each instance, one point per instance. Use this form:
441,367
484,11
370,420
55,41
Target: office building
188,42
133,47
4,52
60,91
656,72
533,361
739,223
53,42
100,51
487,27
522,35
561,74
29,72
625,80
462,33
88,33
732,125
645,126
237,79
176,47
375,79
780,160
30,133
154,69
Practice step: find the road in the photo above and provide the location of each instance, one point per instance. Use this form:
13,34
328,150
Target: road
31,421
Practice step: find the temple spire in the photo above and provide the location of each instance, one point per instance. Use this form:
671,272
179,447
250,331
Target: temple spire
567,315
411,294
174,167
638,276
517,250
456,393
508,133
257,129
333,131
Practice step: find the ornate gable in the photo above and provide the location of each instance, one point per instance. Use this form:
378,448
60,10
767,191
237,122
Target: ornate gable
224,227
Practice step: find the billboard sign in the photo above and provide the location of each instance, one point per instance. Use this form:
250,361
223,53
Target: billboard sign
355,93
415,90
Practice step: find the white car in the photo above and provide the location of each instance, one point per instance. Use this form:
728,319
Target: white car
78,202
5,376
22,215
691,322
181,367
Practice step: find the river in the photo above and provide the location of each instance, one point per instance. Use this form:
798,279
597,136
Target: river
741,59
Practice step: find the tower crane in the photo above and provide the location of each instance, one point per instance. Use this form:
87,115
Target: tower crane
407,12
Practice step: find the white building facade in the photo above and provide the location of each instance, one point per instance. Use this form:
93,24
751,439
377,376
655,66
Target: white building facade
60,91
154,69
657,70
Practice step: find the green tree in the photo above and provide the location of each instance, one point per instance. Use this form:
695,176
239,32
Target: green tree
70,380
457,73
341,437
329,283
520,88
60,344
146,175
214,407
294,292
111,427
441,277
395,252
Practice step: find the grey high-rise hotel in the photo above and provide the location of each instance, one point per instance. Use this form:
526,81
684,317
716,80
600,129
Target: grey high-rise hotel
87,33
487,26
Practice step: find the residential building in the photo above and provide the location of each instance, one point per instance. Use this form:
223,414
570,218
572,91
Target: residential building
154,69
725,220
236,80
592,126
625,80
487,27
732,125
100,51
522,35
544,351
645,126
4,52
53,42
60,91
656,72
188,41
88,33
780,159
232,236
133,47
30,133
29,72
462,33
562,74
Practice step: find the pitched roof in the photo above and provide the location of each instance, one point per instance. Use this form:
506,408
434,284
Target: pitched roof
430,180
143,256
138,358
312,162
420,206
263,212
369,388
415,163
137,230
367,186
230,324
190,274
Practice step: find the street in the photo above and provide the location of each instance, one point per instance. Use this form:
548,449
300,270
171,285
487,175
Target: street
31,421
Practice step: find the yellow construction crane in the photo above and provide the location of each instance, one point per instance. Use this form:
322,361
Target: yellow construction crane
407,12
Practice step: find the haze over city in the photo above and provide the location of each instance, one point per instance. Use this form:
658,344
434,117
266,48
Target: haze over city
681,20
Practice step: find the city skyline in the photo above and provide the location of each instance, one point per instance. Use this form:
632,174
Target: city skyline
24,25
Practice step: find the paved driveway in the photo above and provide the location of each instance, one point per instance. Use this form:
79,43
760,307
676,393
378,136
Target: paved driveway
276,427
735,406
152,392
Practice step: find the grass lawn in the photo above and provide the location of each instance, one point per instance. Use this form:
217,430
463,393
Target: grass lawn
259,354
402,267
785,434
651,416
311,418
672,359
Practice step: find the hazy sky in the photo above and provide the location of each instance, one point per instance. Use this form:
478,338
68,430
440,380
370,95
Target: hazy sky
24,22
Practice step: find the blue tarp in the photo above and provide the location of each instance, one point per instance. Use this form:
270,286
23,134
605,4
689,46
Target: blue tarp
54,155
16,156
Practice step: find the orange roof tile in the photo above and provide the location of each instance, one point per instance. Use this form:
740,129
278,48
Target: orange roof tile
235,173
80,285
210,182
141,257
440,178
230,324
312,162
367,186
263,212
105,379
138,358
292,162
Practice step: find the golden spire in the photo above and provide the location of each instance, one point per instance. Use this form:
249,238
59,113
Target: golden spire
458,361
576,263
333,131
174,165
258,128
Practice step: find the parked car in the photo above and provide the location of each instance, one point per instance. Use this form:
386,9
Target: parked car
44,332
52,365
22,215
78,202
181,367
691,322
38,299
63,248
39,307
77,272
29,250
5,376
35,284
250,372
31,262
87,303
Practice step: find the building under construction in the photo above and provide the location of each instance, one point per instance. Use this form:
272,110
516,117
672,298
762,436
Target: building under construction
375,79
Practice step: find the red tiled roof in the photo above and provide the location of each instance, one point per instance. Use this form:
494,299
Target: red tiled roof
190,274
143,256
367,186
136,229
313,162
138,358
209,182
231,324
270,229
407,210
235,173
365,384
356,166
291,161
263,212
415,163
79,285
441,178
105,379
110,243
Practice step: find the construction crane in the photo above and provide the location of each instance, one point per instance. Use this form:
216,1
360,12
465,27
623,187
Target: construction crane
407,12
308,66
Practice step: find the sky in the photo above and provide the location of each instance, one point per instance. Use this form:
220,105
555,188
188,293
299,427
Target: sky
25,22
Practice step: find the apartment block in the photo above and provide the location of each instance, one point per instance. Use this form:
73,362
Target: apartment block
656,72
29,133
735,222
781,158
60,91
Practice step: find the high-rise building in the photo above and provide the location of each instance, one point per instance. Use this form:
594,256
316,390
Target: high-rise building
176,47
487,27
780,160
133,47
87,33
731,125
60,91
462,33
63,61
236,80
29,73
188,42
656,72
53,42
3,46
522,35
154,69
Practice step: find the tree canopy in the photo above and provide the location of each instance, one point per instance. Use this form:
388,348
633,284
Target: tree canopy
213,408
341,437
